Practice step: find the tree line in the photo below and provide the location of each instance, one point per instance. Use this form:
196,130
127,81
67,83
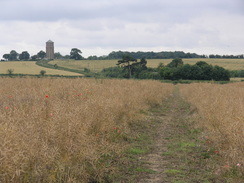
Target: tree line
75,53
130,67
226,56
158,55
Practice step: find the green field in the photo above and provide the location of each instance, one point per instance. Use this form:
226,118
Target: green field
25,67
98,65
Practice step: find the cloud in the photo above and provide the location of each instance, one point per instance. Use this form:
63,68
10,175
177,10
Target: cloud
106,25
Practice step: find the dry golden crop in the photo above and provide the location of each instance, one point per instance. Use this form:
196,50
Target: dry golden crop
66,130
29,67
221,108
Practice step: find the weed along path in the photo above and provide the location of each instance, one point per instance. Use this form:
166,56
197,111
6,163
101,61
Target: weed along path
172,152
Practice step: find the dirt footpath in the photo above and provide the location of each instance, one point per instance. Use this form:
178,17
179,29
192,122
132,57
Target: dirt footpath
176,155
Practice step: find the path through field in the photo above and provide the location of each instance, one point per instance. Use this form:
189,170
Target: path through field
176,153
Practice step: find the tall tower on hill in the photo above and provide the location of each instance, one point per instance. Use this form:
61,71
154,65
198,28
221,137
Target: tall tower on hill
50,49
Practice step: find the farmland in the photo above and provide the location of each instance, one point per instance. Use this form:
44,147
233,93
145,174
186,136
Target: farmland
27,67
78,130
98,65
220,111
68,129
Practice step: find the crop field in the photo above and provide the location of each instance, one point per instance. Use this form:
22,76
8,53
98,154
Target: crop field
93,65
236,79
28,67
98,65
221,111
68,130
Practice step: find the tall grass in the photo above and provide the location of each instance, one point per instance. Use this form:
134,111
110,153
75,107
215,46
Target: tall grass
69,130
221,108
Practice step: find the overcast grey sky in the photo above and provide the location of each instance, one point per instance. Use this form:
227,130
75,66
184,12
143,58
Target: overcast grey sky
98,27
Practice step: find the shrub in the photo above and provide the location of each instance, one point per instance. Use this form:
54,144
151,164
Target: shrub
42,72
149,75
114,72
220,74
199,71
10,71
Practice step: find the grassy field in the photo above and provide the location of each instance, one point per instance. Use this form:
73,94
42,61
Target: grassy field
98,65
69,130
25,67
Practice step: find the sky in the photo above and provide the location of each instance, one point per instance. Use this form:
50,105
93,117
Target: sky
97,27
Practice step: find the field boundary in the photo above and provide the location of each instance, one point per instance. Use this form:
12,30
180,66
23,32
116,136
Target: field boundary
38,76
45,63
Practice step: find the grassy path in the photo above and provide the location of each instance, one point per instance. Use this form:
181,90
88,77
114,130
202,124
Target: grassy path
170,149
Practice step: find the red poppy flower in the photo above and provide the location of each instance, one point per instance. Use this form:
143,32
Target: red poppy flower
6,107
46,96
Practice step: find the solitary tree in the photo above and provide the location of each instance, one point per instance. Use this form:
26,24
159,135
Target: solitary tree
127,62
75,54
10,72
42,72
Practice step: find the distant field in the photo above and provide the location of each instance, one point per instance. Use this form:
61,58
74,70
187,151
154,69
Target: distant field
98,65
25,67
237,79
93,65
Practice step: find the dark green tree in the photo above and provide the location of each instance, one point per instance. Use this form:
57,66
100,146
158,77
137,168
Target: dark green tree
34,58
206,69
42,72
41,54
195,72
13,55
166,73
76,54
183,72
127,62
176,63
24,56
6,56
58,55
94,57
138,67
201,63
220,74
